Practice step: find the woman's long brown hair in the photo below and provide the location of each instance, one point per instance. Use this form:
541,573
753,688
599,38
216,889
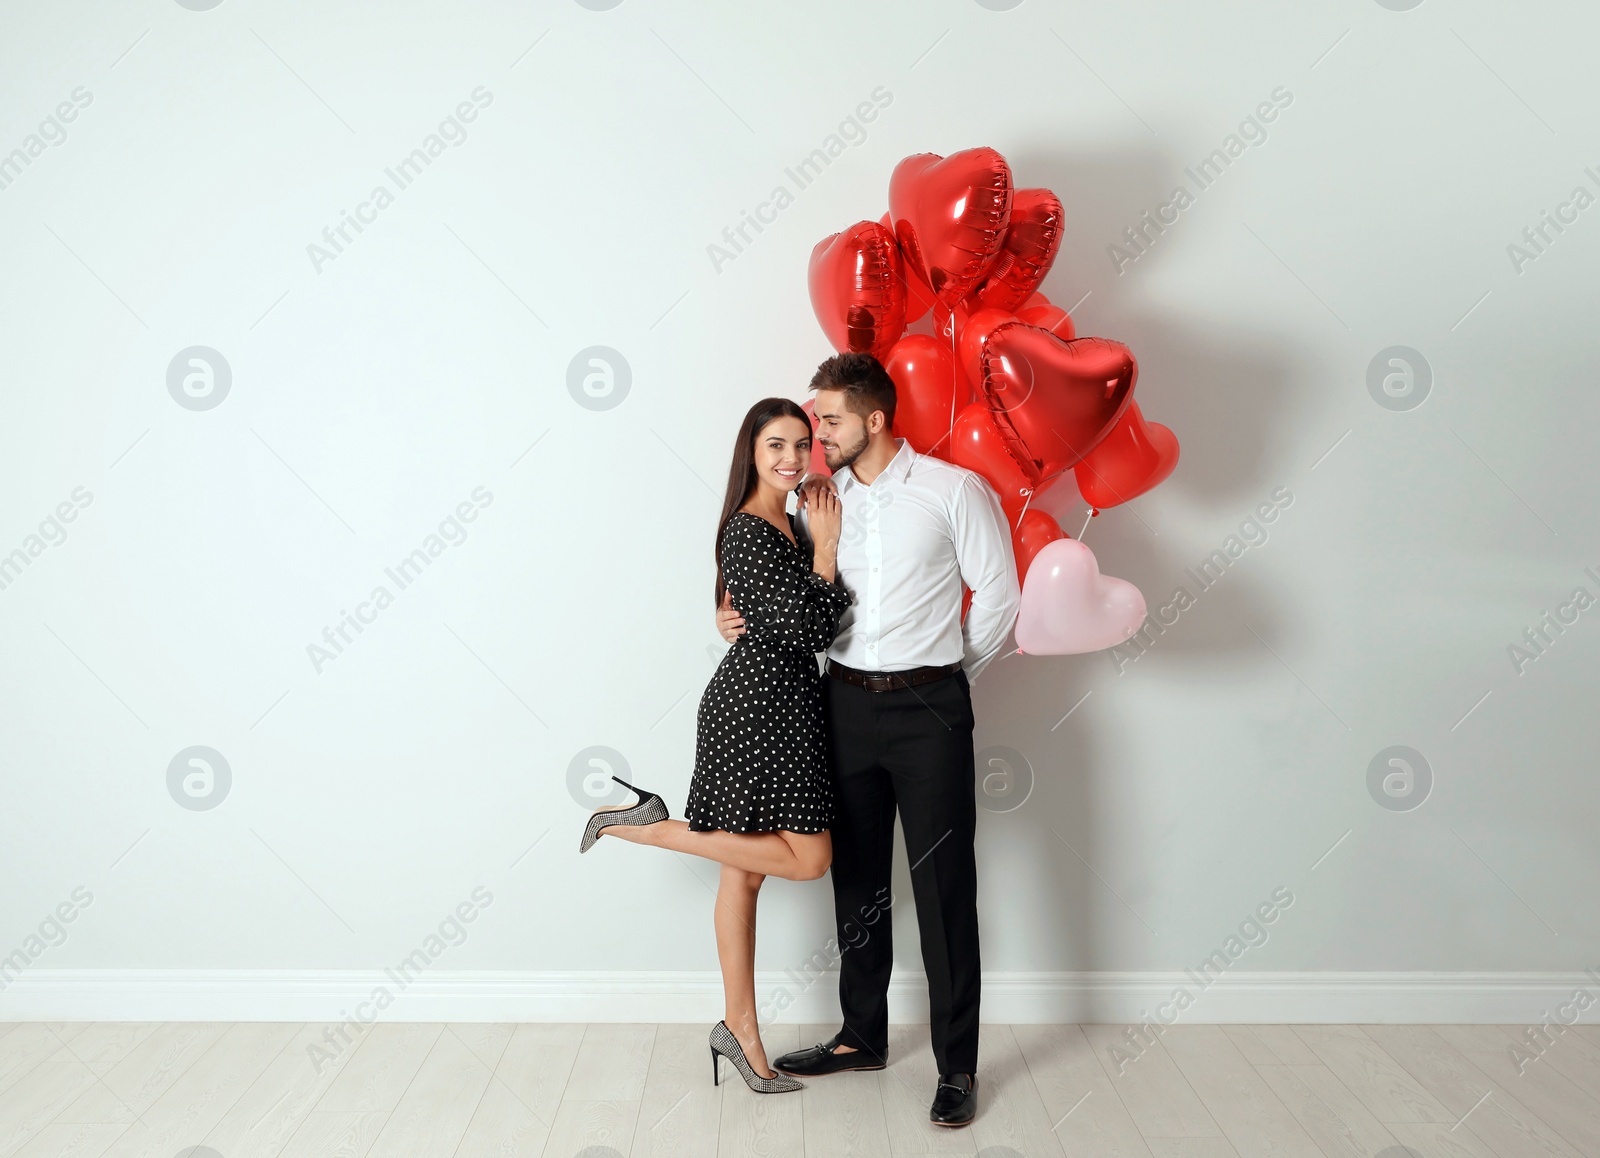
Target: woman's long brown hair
742,472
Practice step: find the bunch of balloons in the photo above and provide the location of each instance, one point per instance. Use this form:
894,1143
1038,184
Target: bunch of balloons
1004,386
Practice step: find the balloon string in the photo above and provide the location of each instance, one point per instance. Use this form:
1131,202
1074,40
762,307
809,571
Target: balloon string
1085,526
1024,509
955,378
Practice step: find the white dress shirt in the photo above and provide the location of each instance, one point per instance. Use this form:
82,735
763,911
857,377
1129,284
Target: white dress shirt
907,543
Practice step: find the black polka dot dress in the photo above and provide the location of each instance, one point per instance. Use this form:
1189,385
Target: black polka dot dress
761,761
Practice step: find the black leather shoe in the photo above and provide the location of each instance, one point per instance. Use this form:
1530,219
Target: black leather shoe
819,1059
955,1102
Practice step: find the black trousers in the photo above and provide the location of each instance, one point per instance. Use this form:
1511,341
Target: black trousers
909,748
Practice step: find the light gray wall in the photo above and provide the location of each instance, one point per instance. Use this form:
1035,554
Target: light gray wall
1172,792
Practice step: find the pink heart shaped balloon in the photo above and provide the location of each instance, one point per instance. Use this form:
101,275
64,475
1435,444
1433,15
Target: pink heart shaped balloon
1068,607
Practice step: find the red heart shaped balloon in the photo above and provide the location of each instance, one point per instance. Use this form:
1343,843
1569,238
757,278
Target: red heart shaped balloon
919,298
1054,400
924,377
1034,532
974,336
977,444
950,215
1033,235
948,326
1049,317
1136,456
857,290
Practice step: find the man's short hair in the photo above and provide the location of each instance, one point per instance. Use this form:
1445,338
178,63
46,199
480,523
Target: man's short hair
865,383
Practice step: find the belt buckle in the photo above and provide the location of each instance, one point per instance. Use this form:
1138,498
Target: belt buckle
878,681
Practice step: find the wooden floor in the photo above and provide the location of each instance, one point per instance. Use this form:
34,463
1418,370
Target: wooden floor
250,1090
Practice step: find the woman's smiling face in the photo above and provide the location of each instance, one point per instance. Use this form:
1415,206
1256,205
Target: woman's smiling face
782,450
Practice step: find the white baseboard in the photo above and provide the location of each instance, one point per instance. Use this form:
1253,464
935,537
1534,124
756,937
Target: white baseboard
1018,998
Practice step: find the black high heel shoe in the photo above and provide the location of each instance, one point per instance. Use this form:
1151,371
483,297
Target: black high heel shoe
650,809
724,1044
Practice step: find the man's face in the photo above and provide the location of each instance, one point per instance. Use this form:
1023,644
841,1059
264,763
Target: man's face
843,433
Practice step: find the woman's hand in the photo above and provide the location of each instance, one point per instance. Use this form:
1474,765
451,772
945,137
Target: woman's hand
824,518
815,484
730,624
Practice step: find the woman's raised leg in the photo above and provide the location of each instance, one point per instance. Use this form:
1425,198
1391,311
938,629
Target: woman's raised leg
794,856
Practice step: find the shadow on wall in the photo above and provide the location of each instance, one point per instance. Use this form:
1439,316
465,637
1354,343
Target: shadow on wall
1224,394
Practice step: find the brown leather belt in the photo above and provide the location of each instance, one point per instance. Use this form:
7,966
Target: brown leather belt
885,681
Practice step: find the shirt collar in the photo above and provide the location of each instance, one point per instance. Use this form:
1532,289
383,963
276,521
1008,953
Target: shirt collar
899,466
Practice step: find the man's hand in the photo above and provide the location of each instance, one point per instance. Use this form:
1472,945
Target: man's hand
811,486
730,624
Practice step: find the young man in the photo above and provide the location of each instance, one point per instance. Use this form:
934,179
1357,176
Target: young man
899,716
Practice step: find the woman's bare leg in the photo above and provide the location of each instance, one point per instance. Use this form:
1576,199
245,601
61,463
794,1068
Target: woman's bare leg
747,859
795,856
736,951
735,922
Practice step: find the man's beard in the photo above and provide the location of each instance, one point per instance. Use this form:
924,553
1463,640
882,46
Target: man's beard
848,456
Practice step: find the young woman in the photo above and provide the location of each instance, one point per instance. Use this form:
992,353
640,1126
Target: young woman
760,802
